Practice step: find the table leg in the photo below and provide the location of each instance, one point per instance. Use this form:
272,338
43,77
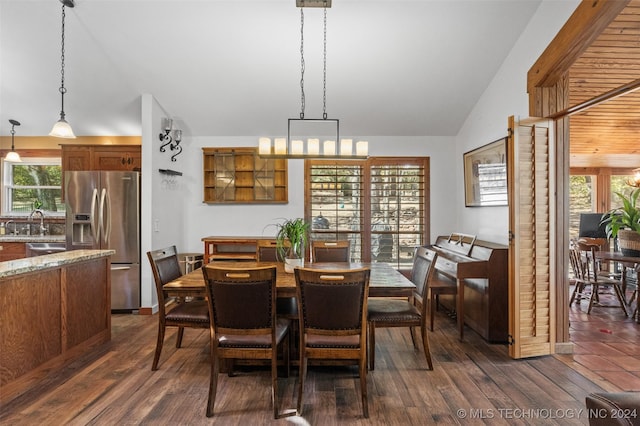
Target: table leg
460,307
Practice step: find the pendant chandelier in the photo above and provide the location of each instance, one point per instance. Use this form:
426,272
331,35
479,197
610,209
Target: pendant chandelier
12,155
323,134
62,129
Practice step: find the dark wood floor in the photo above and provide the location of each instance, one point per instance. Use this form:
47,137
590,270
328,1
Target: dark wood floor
472,383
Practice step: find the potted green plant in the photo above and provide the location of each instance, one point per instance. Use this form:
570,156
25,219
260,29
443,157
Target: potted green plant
291,239
623,223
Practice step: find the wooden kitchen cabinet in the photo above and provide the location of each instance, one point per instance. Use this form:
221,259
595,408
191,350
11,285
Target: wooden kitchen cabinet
123,158
12,251
100,157
240,175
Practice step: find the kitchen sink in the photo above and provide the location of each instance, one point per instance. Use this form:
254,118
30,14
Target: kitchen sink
38,249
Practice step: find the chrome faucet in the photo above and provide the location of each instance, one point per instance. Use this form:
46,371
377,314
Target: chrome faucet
41,213
15,228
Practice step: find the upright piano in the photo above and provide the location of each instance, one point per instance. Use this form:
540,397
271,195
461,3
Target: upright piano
480,271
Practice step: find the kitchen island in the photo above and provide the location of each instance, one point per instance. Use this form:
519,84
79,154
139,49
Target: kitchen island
53,309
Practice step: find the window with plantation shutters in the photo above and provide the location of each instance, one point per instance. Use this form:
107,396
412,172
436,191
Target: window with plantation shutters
380,205
335,195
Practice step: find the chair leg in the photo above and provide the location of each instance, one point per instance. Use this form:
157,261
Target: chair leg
160,341
425,345
413,337
432,308
620,296
213,382
594,296
303,374
576,291
274,380
372,345
179,339
286,353
363,386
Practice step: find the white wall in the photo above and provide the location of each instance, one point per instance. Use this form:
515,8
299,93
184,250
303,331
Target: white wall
505,96
202,220
163,197
183,219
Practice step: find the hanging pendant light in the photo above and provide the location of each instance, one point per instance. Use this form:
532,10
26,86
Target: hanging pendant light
12,155
62,129
313,129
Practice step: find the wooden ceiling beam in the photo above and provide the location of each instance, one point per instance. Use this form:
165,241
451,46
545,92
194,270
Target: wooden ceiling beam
572,40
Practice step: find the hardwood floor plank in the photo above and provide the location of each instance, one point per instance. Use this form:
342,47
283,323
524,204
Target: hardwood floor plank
473,382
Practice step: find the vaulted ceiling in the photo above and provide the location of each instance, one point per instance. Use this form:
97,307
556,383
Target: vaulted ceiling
232,67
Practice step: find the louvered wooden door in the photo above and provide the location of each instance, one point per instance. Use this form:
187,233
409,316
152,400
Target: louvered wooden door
531,259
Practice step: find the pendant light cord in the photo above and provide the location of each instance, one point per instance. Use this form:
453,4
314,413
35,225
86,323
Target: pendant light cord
324,65
324,60
63,90
302,98
13,132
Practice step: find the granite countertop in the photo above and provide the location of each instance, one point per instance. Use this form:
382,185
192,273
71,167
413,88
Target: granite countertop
10,238
32,264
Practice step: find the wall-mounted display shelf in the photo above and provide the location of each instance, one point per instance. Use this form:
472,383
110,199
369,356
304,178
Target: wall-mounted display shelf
239,175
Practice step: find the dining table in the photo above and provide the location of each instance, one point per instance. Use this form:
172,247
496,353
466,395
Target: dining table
626,261
384,281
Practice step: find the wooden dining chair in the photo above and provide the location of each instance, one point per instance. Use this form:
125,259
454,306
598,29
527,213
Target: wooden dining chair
268,251
332,306
388,312
244,325
173,312
587,276
331,251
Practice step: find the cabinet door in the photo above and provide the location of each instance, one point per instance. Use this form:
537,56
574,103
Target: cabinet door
12,251
116,158
134,160
76,158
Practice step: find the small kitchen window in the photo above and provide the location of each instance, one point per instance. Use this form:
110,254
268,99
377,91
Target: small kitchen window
33,183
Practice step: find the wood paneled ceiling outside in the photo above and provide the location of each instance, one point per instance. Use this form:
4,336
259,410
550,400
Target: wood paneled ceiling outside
608,135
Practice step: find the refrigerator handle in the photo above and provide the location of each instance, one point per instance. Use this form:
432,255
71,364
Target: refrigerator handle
95,229
120,268
105,214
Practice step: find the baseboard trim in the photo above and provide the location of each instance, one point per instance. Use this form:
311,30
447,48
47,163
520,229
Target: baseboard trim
145,311
564,348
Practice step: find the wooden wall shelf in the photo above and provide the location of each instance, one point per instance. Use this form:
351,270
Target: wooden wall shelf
239,175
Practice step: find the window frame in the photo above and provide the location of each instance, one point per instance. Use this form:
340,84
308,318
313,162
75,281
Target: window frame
367,165
601,193
7,186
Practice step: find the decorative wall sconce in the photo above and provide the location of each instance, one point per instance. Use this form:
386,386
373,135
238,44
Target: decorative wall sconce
171,137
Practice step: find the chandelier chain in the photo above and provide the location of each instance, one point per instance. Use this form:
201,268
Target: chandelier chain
324,60
62,88
302,97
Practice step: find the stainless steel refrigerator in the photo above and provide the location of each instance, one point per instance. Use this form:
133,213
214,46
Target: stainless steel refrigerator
103,212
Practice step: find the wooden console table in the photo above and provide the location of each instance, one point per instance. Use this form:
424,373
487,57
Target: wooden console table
232,248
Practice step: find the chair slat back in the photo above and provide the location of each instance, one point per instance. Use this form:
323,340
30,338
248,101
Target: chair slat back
424,261
332,301
165,267
241,298
331,251
267,251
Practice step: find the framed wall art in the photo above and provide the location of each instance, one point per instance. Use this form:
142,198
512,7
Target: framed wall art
485,175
